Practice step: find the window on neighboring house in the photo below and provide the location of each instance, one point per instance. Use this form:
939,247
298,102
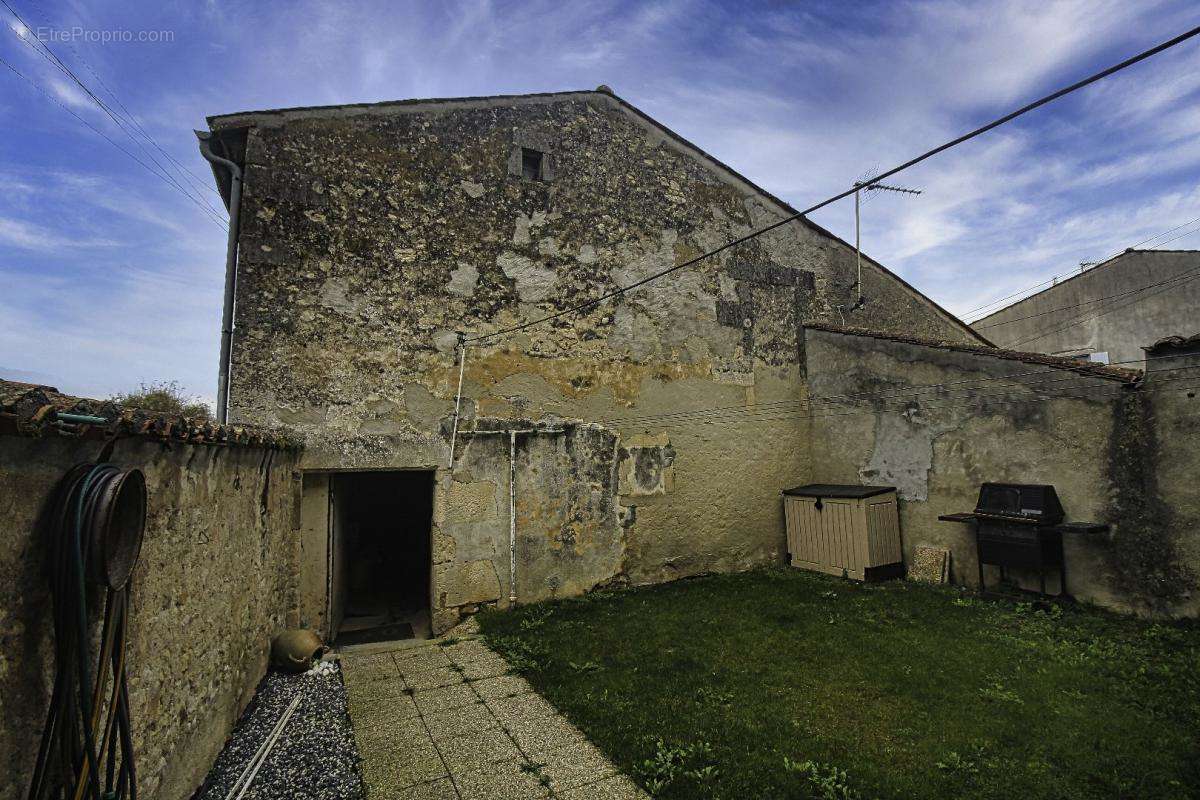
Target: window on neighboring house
531,164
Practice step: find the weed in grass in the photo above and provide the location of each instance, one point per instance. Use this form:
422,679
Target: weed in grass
958,766
708,695
677,766
822,781
585,666
536,618
523,656
997,692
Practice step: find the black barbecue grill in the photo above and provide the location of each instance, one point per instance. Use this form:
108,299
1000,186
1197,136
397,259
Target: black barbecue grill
1021,526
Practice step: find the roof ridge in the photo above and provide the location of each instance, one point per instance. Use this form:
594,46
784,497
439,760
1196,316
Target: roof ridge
411,101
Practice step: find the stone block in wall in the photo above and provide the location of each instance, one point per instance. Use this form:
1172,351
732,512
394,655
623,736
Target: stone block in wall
644,466
733,314
732,377
444,619
444,547
470,502
467,583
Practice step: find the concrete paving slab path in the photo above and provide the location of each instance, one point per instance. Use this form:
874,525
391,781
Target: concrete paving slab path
446,720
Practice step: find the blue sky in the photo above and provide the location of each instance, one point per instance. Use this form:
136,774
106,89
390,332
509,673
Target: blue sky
110,277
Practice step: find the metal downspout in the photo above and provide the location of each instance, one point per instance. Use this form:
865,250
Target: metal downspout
512,518
231,249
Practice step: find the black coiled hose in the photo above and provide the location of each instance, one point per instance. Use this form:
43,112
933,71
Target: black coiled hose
94,524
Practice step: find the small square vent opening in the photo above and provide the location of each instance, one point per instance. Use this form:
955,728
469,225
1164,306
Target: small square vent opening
531,164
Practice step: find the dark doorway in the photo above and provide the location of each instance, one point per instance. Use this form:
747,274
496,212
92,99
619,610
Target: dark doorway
379,555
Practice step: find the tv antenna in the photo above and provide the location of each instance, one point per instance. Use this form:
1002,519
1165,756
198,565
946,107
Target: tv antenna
859,188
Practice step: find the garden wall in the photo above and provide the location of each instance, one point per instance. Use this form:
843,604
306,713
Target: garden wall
215,581
937,420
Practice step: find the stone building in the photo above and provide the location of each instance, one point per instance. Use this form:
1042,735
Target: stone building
370,235
1108,313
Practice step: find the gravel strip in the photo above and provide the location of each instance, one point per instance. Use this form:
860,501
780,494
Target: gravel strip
315,756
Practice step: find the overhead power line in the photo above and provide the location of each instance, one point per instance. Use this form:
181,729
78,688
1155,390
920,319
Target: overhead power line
1053,278
183,170
1073,321
1180,278
85,123
160,171
574,309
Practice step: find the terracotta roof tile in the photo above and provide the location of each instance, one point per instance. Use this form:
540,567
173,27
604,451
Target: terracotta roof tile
1174,343
28,409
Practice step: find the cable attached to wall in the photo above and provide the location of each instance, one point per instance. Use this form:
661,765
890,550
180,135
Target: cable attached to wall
462,365
94,526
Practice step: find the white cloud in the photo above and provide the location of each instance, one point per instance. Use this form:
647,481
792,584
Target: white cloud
69,94
131,326
27,236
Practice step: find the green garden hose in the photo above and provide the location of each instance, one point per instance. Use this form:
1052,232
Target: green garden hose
94,525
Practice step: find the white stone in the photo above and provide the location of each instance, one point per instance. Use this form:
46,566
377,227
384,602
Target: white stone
534,281
464,279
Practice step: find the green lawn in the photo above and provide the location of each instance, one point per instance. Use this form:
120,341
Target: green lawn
783,684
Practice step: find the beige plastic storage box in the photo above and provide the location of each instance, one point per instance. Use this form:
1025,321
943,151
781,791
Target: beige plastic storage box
852,531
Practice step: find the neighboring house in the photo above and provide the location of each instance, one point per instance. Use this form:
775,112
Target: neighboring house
1107,313
370,234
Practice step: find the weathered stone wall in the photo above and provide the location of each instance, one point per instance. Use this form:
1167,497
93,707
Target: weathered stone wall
937,423
370,236
215,581
1166,442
